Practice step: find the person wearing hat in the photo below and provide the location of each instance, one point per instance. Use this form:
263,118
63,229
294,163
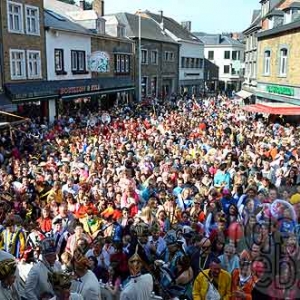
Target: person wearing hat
37,283
139,286
86,283
61,283
8,268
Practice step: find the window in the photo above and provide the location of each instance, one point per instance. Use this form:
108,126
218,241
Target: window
226,54
210,55
59,62
201,63
182,62
192,63
236,54
127,64
144,87
283,62
154,57
15,17
122,63
78,61
267,58
17,64
278,21
169,56
295,14
32,20
226,69
100,26
154,86
144,56
34,64
120,31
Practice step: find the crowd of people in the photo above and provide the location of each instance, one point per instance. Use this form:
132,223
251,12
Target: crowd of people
187,200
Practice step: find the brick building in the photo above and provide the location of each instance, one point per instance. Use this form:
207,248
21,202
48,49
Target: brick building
23,48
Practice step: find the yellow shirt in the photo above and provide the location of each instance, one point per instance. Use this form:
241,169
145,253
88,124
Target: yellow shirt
200,287
57,196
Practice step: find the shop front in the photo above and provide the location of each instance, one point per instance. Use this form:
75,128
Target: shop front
269,92
62,97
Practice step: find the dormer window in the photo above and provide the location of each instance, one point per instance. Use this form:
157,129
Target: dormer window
276,18
121,31
100,26
278,21
295,14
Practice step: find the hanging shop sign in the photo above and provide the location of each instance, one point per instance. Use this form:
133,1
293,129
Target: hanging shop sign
99,62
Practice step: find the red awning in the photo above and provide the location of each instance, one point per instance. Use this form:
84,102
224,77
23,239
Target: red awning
274,109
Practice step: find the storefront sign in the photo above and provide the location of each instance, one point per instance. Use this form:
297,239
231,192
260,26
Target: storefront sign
281,90
99,62
79,89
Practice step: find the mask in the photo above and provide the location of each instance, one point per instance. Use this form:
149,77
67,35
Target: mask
135,264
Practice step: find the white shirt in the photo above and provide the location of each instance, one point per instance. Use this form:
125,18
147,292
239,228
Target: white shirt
87,286
37,281
73,296
138,288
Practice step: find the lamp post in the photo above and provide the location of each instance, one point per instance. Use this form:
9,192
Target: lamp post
140,58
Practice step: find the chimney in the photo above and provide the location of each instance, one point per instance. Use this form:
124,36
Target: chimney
220,38
162,26
98,7
82,4
187,25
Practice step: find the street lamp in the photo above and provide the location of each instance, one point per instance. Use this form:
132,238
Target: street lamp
140,57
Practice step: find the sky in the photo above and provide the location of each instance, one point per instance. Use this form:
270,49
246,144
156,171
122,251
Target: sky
210,16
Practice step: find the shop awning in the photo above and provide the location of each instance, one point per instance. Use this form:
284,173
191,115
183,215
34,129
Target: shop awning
274,109
243,94
42,90
6,104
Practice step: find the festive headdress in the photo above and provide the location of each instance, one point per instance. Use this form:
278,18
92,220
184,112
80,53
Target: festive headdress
135,263
60,280
48,246
7,267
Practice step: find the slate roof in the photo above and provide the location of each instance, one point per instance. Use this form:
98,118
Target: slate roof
56,21
293,5
61,7
280,29
216,39
275,12
150,29
174,27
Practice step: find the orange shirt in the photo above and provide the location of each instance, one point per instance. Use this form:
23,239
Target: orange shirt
246,288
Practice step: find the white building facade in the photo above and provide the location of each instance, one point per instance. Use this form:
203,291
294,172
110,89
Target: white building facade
67,56
228,54
191,67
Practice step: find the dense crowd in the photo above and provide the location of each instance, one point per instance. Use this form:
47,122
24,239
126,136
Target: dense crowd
191,199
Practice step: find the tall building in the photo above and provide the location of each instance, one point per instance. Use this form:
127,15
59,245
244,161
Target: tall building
278,61
159,55
23,59
191,53
228,54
